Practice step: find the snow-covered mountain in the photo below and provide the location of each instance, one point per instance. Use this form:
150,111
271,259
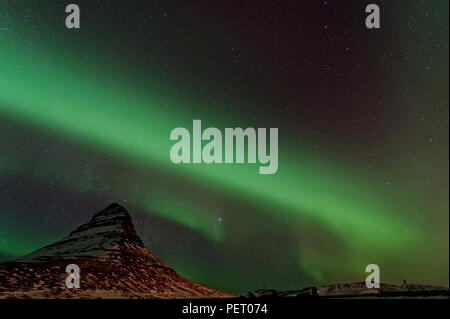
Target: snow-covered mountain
113,263
107,234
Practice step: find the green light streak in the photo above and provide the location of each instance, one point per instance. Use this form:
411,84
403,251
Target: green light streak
15,244
191,215
137,128
38,88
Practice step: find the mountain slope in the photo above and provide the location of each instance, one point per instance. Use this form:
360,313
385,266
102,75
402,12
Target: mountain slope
360,289
113,264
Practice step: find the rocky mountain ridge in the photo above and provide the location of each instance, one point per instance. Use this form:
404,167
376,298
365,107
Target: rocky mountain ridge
113,263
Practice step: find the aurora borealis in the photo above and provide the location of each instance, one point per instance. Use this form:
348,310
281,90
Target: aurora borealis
85,118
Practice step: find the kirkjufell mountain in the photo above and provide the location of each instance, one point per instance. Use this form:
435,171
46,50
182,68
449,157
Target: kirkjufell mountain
113,263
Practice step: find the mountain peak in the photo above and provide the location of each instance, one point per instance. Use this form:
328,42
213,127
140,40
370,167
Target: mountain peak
113,217
110,231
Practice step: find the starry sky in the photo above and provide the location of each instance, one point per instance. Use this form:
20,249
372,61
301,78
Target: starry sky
363,174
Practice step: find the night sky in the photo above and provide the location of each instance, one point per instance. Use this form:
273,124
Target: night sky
363,117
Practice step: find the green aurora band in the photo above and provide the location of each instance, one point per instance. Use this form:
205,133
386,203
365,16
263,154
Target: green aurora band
43,88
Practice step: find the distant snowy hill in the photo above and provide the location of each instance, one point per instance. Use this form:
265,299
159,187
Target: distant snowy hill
359,289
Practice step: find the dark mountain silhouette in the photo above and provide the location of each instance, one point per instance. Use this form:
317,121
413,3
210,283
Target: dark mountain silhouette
113,263
359,290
